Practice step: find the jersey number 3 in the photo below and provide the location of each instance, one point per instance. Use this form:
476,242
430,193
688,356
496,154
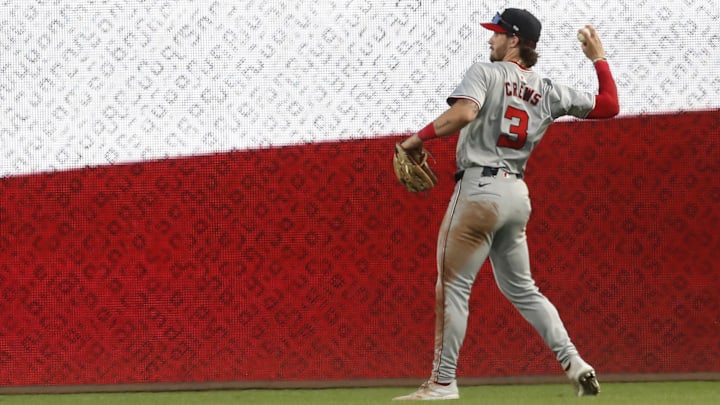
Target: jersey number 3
518,129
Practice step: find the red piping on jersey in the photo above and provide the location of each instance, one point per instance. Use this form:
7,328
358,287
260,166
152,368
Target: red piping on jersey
521,66
606,101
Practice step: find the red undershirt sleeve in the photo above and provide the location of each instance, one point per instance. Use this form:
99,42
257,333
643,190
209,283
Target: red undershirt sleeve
606,101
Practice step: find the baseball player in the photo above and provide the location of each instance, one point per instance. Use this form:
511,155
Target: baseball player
502,110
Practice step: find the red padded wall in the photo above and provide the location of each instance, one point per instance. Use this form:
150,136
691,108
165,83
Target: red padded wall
310,262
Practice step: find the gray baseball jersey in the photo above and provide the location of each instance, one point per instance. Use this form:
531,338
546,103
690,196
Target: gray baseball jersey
516,108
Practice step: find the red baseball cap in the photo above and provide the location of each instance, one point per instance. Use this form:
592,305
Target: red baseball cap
515,21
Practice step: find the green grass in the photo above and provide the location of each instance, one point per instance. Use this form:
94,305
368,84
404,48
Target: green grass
655,393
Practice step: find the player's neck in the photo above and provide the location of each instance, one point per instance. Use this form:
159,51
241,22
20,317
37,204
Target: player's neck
514,57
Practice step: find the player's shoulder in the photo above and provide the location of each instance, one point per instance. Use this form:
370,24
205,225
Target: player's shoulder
552,86
492,66
488,70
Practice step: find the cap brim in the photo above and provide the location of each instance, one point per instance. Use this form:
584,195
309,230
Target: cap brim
494,27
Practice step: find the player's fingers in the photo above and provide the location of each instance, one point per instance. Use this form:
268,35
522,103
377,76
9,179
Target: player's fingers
593,33
586,34
585,37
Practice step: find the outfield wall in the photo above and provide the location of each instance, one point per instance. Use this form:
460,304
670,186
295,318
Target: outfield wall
198,193
309,263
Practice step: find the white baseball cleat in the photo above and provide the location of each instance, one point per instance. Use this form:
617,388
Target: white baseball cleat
431,391
583,377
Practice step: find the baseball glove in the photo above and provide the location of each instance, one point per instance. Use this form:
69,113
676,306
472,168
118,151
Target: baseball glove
413,170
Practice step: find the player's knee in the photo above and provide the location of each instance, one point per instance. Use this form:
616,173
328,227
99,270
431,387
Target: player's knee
518,293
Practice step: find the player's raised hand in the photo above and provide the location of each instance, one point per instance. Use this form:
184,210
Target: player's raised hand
591,45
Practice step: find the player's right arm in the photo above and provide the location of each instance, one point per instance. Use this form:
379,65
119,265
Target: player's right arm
607,104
